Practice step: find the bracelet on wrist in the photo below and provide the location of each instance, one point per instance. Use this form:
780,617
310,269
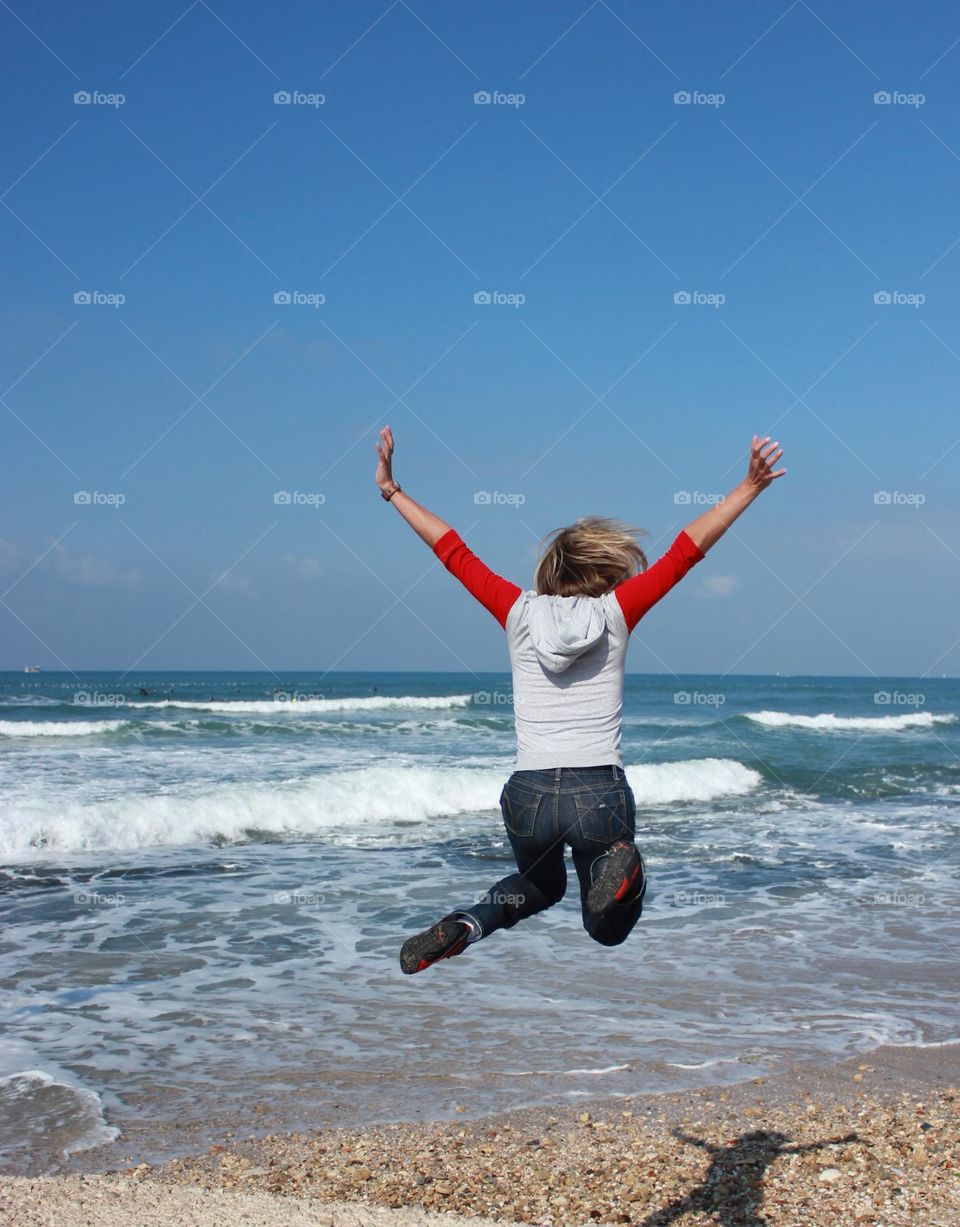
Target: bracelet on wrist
388,497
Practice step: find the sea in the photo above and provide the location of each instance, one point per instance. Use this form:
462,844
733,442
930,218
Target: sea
205,880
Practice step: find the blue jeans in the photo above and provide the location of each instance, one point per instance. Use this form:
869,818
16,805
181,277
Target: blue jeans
589,808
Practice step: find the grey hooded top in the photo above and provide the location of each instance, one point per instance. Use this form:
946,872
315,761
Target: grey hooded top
567,653
559,645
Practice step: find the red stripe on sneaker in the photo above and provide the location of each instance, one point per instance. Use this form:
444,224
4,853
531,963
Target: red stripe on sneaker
626,884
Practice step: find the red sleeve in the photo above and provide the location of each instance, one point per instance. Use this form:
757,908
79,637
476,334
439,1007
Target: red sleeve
641,592
495,594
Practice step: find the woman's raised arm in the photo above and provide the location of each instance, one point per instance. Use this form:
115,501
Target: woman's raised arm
707,529
425,524
492,591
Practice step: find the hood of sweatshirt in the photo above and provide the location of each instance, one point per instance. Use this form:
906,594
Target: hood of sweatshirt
562,628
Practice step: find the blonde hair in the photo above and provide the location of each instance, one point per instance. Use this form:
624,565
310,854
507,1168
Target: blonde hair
589,558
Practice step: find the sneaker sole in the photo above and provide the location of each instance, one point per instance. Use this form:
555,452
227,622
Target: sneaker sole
420,952
618,879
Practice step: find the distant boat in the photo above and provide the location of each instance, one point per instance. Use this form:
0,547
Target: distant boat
31,669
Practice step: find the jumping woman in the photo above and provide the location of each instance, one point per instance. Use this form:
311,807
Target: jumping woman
568,644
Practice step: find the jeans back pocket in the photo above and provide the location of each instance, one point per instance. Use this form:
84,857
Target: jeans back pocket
606,813
519,808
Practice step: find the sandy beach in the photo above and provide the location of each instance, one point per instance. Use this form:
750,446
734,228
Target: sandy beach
81,1200
868,1141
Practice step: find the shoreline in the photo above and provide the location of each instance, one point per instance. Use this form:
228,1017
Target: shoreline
873,1139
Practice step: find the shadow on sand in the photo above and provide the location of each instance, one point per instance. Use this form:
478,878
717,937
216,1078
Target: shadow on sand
732,1190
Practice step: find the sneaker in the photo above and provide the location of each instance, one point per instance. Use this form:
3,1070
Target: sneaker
620,879
443,940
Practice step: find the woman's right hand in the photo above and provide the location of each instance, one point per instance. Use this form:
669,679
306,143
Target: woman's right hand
763,456
384,475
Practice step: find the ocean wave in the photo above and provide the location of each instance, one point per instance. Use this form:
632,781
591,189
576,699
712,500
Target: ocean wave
29,700
383,804
58,728
318,706
355,803
199,726
826,722
240,729
695,779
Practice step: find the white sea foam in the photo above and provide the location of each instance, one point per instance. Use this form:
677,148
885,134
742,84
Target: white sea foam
313,706
952,1043
565,1073
58,728
36,1106
701,1064
383,803
826,722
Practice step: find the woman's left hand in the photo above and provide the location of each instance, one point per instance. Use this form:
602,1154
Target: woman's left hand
384,476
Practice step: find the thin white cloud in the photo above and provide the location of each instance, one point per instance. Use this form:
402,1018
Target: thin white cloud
233,584
89,571
82,570
12,558
304,568
715,586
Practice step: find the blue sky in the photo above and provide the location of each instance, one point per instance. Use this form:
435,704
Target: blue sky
782,197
